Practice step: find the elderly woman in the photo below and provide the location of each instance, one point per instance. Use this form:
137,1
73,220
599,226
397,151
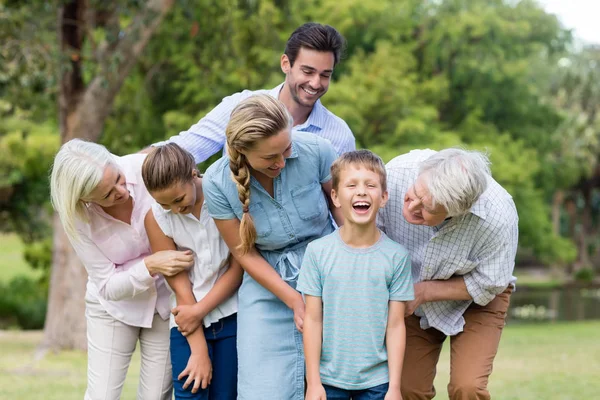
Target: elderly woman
102,201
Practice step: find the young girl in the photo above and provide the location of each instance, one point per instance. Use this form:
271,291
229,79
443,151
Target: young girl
178,219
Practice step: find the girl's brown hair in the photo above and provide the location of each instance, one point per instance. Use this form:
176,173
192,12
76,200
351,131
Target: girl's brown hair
167,165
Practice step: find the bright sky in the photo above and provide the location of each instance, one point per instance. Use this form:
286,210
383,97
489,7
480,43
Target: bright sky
582,16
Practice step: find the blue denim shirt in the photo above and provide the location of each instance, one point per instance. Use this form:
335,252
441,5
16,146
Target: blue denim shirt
299,211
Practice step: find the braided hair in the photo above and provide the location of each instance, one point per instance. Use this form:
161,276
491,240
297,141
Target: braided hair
254,119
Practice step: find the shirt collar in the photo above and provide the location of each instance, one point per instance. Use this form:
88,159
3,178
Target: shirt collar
294,153
479,208
316,117
131,177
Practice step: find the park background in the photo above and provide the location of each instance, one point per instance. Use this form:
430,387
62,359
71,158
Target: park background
504,76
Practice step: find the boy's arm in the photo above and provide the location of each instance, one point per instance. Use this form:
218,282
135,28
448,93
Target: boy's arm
395,341
198,368
313,337
187,316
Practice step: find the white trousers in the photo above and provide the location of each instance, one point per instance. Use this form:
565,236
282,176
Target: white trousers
111,344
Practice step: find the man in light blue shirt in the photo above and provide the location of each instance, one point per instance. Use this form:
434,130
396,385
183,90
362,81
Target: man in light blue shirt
310,56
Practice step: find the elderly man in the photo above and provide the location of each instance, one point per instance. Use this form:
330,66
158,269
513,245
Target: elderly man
461,228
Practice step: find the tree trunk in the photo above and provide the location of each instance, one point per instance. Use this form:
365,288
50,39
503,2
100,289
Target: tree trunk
82,113
65,322
586,228
557,202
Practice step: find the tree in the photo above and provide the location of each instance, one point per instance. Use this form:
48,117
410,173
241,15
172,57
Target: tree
99,45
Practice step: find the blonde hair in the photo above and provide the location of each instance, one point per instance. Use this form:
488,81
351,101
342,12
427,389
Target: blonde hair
254,119
359,158
78,168
167,165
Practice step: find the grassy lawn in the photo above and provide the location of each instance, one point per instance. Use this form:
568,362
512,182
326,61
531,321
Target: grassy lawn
12,262
547,361
551,362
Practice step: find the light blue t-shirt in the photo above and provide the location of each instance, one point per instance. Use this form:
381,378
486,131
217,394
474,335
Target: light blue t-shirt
355,285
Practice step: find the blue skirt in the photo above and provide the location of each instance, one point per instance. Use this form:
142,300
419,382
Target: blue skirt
270,350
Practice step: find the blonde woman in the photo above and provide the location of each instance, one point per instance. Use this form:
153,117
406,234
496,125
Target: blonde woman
102,201
270,197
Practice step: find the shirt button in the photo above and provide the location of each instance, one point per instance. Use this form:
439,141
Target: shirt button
290,235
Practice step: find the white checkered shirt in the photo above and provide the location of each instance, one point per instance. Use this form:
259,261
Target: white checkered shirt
479,246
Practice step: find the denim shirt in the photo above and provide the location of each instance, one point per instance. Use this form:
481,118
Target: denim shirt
299,211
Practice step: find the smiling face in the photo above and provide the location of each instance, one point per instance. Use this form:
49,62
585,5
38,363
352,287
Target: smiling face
418,206
111,190
180,197
308,79
359,194
268,155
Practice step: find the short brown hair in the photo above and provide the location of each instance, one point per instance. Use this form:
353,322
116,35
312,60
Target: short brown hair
167,165
317,37
359,158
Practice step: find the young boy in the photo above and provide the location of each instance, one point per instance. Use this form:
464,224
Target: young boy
355,283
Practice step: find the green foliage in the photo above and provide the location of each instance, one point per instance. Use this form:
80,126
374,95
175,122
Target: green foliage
585,275
28,149
23,303
487,75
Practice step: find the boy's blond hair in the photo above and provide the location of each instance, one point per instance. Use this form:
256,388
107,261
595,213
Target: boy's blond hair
359,158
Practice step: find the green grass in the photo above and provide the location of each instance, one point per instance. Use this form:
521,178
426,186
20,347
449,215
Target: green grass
12,263
550,362
59,376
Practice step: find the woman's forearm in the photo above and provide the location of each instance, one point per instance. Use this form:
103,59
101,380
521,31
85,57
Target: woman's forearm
262,272
182,287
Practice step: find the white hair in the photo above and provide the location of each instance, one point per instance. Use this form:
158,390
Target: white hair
78,168
456,178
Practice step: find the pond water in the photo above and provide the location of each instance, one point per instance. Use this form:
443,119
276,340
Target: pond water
554,304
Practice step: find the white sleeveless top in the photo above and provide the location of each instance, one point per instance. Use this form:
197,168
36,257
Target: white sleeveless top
210,255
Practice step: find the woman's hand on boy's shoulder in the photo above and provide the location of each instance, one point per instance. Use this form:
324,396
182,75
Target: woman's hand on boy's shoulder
187,318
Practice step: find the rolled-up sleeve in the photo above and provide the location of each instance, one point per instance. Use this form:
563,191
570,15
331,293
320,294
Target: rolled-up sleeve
327,156
217,203
114,282
496,263
207,136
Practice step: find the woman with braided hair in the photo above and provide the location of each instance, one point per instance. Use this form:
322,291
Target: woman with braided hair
269,198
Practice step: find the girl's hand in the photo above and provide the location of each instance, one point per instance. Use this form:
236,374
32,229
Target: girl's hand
198,370
298,308
169,262
187,318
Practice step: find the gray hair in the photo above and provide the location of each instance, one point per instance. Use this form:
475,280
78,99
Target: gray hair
456,178
78,168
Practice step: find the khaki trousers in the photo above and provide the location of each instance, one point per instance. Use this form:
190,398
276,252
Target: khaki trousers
472,353
111,344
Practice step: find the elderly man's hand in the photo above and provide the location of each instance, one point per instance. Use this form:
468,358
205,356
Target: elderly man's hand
411,306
